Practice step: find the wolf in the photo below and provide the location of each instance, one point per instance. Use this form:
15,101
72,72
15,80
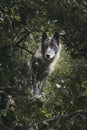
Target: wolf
43,61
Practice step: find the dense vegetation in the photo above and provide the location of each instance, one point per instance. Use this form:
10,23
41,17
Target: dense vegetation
63,105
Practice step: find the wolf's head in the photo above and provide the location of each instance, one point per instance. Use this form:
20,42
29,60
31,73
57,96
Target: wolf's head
50,46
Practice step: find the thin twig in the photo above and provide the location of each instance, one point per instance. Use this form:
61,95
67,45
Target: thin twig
25,49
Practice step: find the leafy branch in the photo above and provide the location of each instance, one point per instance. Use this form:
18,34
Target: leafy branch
70,116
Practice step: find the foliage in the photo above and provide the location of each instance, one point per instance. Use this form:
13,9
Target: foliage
63,104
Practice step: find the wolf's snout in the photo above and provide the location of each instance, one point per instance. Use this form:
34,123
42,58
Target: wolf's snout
47,56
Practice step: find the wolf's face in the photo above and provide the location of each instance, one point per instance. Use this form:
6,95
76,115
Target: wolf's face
50,46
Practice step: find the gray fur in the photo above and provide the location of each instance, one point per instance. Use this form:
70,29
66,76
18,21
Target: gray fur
43,62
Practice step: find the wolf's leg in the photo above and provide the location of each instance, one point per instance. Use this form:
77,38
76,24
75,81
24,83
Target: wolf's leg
36,90
35,86
42,83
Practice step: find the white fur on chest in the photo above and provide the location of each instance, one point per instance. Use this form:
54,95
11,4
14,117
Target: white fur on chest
52,65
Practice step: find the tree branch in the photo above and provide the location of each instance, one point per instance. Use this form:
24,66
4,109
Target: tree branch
28,31
21,39
71,116
25,49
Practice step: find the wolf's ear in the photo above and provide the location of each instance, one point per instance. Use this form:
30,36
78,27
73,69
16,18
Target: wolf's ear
44,37
56,37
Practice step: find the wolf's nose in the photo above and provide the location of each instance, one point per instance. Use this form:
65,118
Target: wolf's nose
47,56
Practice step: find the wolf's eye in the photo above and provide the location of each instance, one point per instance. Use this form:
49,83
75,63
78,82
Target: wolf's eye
55,47
45,44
